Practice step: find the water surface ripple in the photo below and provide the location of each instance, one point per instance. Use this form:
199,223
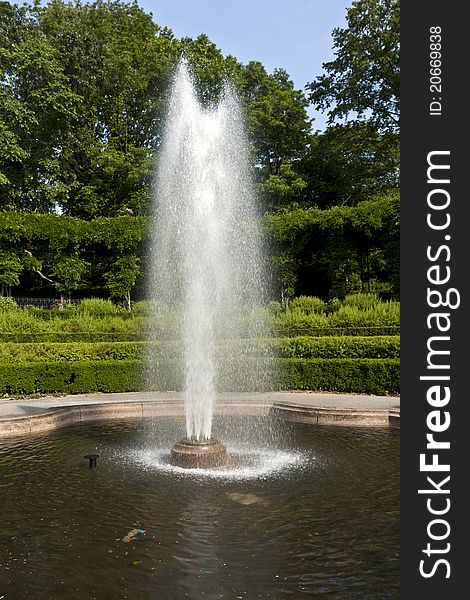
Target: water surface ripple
306,511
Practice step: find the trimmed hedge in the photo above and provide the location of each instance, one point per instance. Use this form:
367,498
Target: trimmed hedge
74,352
336,331
298,347
366,376
373,376
66,337
321,347
116,336
71,378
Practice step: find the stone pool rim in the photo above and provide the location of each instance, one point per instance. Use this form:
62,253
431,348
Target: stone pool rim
347,410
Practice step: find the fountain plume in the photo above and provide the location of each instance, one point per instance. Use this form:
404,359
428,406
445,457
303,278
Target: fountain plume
206,258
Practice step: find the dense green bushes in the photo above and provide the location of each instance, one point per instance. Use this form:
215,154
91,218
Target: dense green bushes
71,352
323,347
305,316
41,321
70,378
58,336
343,246
97,346
298,347
341,375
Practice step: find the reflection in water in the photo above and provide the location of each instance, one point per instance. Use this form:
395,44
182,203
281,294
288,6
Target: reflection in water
327,524
198,551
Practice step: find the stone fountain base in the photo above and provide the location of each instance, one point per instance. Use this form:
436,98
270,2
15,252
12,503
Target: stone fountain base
199,455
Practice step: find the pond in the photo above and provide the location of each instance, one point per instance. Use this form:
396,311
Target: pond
301,511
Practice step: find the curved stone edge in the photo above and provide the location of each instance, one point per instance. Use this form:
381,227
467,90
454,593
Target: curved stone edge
57,417
346,417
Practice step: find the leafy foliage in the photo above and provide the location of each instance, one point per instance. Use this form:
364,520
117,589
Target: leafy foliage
371,376
351,249
83,90
10,269
364,78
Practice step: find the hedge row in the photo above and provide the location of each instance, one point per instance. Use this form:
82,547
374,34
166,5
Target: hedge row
321,347
299,347
119,336
67,337
336,331
369,376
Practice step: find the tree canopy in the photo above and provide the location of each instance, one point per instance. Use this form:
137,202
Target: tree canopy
363,81
83,92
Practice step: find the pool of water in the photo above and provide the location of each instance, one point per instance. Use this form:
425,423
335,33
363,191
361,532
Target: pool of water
301,511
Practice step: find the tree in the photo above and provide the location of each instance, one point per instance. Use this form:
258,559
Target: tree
364,78
68,273
283,188
37,108
337,251
119,62
122,277
277,118
10,270
348,164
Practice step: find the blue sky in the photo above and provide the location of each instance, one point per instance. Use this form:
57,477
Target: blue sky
291,34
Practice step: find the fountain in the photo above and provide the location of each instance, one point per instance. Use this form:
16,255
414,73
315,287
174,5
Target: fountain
206,254
198,522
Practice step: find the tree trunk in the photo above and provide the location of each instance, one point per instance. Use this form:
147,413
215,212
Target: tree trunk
284,299
128,301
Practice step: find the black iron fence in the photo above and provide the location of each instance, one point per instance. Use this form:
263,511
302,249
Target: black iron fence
42,302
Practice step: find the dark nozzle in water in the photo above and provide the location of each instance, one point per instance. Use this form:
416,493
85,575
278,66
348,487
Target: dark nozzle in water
194,454
92,458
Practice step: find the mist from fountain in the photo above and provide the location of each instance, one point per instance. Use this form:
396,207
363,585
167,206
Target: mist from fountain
207,265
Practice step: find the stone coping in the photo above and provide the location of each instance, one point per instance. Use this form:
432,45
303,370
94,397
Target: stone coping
43,415
345,417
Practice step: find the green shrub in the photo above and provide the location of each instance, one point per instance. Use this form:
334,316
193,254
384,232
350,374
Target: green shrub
315,347
69,337
384,314
101,320
70,378
40,321
97,307
142,308
362,301
7,304
78,351
307,305
84,377
366,376
337,347
296,347
341,375
274,309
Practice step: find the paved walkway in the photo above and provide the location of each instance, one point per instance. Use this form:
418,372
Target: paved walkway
10,408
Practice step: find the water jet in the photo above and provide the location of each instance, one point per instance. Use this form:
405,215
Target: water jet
207,263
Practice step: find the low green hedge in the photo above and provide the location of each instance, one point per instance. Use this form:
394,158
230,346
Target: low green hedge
373,376
366,376
68,337
74,351
299,347
71,378
372,330
320,347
